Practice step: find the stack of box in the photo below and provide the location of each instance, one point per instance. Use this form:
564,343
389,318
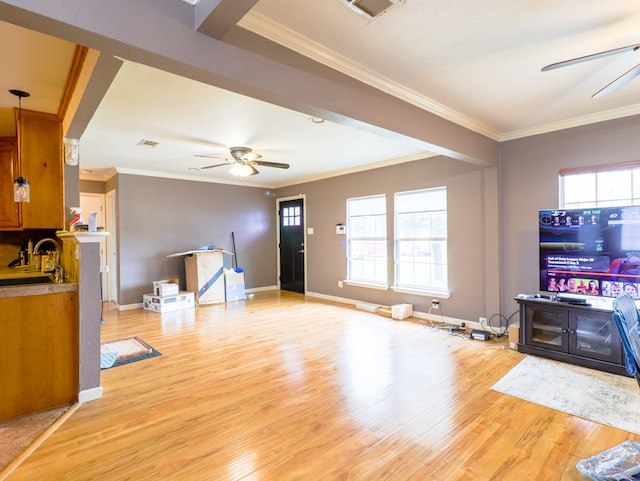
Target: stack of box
205,276
167,297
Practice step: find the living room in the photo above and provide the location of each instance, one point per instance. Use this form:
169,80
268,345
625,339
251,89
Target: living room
493,201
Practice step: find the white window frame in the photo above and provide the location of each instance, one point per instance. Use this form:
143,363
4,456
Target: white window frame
378,261
437,281
600,186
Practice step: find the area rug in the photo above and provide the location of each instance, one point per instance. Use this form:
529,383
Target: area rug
594,395
125,351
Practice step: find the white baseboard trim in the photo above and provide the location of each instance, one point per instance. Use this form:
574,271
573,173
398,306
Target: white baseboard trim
90,394
436,318
344,300
262,289
126,307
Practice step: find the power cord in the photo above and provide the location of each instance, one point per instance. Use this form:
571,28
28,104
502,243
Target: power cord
498,332
451,329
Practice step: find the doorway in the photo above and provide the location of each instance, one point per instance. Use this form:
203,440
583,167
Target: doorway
292,245
100,205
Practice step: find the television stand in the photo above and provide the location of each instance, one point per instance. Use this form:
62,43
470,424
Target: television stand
575,333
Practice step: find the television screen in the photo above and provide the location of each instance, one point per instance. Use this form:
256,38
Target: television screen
590,251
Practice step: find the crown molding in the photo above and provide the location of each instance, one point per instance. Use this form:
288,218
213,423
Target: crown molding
627,111
263,26
362,168
98,175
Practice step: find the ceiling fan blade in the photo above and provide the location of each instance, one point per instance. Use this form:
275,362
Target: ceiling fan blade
618,83
209,156
212,166
606,53
277,165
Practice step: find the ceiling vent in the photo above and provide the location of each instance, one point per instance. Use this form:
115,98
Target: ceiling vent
371,8
147,143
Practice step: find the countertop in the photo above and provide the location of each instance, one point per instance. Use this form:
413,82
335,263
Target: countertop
31,289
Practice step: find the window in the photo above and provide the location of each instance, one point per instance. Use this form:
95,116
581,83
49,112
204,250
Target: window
604,186
367,239
421,239
291,216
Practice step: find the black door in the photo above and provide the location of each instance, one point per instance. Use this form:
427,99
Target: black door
292,246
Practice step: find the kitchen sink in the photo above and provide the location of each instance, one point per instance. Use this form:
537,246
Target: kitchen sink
21,281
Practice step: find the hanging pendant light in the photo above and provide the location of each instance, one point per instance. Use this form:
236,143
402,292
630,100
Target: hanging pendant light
21,190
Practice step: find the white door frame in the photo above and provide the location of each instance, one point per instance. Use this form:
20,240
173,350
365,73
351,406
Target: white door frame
104,261
304,227
111,246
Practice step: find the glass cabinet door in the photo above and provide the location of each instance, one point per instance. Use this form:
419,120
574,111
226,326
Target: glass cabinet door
593,335
547,327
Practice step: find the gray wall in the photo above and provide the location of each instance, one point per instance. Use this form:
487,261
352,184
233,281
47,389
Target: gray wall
90,315
468,214
529,182
92,187
158,216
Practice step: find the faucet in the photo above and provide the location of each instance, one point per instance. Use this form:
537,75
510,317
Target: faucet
56,259
42,241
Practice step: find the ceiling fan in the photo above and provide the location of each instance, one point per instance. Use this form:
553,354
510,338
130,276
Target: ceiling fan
617,83
244,162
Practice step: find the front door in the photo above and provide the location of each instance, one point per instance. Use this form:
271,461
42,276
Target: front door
292,245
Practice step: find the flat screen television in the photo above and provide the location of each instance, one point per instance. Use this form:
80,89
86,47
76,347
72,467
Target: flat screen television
594,252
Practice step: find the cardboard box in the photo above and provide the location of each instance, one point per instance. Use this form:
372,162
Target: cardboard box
205,276
166,287
514,336
401,311
234,286
182,300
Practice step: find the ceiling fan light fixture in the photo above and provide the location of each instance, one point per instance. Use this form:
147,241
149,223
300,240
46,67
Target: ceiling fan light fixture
240,169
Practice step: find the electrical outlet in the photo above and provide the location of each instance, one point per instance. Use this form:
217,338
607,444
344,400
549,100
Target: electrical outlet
482,320
340,284
435,304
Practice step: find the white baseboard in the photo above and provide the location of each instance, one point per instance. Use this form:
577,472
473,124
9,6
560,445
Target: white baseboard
261,289
344,300
434,316
127,307
90,394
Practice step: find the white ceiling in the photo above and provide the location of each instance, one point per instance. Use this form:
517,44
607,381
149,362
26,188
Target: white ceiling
477,63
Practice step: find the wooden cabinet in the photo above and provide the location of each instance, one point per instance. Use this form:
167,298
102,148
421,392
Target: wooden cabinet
9,210
38,353
41,157
41,154
577,334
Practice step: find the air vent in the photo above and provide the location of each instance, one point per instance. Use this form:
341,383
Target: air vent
372,8
147,143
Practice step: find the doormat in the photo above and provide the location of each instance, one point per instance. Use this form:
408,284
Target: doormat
594,395
125,351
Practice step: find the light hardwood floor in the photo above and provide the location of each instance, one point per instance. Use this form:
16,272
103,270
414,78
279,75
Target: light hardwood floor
283,387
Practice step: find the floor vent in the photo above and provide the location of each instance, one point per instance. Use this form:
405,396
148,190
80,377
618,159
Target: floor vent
372,8
363,306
